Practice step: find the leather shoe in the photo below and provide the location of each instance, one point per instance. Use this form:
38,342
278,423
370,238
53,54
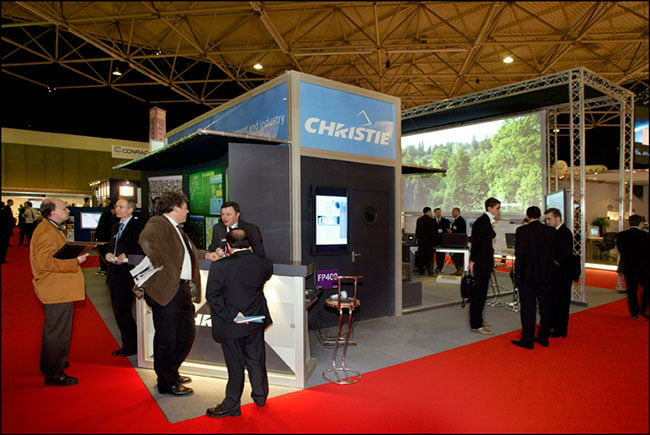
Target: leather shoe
124,352
521,344
542,341
177,390
184,379
260,403
557,334
483,331
62,380
644,314
219,412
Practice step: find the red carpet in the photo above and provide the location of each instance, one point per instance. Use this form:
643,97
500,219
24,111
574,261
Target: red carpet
594,381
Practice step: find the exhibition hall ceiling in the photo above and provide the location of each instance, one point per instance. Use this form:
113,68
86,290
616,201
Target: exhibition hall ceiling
58,58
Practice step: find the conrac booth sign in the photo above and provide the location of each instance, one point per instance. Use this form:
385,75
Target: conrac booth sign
125,152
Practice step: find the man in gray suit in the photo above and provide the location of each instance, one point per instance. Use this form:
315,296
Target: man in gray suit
169,291
229,220
236,289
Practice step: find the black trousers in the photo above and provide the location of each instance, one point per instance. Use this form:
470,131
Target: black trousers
245,352
560,296
120,284
478,295
458,260
440,260
55,343
530,295
632,282
174,335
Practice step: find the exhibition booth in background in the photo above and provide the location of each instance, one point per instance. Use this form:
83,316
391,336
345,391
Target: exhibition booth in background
316,165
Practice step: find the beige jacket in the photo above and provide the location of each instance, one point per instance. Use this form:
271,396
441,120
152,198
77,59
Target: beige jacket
55,281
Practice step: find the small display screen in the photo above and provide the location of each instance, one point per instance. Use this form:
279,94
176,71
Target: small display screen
89,220
331,220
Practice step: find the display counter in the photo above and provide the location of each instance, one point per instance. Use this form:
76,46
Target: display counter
288,356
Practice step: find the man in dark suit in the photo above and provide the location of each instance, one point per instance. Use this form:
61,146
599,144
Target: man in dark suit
534,248
424,232
564,274
236,289
229,220
123,254
103,234
458,226
440,226
632,245
169,291
481,263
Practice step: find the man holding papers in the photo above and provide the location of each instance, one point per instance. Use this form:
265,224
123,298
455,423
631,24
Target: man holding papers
235,291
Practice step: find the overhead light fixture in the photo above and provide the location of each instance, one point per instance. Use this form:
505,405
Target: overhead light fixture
508,59
556,130
258,66
117,72
158,52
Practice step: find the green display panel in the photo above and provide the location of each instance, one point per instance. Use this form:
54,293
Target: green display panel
206,192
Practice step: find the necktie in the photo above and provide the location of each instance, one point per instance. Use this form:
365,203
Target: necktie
117,238
195,270
229,229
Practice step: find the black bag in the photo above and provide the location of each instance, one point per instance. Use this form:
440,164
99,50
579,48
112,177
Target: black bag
466,286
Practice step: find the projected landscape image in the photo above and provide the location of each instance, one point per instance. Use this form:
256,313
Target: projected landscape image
500,158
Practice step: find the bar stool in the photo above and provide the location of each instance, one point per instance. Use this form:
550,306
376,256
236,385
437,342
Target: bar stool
339,373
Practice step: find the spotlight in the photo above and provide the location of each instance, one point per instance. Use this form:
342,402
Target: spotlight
508,59
258,66
117,72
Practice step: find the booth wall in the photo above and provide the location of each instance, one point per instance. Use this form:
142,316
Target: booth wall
368,185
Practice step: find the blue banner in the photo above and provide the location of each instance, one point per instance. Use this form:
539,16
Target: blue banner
335,120
262,115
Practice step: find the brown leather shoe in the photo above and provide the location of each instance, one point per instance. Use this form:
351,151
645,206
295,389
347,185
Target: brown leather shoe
177,390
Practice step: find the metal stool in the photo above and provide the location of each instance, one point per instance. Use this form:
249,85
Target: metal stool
339,373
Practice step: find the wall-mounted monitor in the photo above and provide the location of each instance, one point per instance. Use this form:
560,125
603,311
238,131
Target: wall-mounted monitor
594,231
89,220
330,220
206,192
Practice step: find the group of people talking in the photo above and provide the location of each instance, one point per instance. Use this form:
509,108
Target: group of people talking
234,291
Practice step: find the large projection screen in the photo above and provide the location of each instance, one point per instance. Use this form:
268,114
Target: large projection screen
503,158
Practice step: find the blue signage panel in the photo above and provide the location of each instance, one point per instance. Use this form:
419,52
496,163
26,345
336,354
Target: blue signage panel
262,115
341,121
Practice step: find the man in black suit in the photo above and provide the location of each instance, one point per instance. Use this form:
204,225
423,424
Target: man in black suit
481,264
229,220
124,252
632,245
424,233
169,291
458,226
236,289
440,226
103,234
564,274
534,264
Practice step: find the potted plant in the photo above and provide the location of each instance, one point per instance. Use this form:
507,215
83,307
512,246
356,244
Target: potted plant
603,222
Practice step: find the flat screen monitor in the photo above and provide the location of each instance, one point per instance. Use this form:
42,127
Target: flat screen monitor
206,192
330,220
89,220
559,200
594,231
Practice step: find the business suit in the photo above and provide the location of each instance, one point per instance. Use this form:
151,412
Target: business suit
561,288
253,233
424,232
534,267
58,284
440,226
169,297
120,281
632,245
236,284
482,254
458,226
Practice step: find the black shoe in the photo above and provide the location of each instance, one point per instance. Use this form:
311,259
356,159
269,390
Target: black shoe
556,334
644,314
635,316
521,344
542,341
124,352
219,412
67,364
184,379
260,403
62,380
177,390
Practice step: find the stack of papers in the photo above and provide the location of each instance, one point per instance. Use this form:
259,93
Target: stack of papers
143,271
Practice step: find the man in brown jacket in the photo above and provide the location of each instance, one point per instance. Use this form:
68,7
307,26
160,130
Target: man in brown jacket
168,292
57,283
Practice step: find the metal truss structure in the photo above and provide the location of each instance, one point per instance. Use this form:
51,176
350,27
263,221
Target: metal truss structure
613,102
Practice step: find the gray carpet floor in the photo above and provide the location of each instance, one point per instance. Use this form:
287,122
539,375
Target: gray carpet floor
436,325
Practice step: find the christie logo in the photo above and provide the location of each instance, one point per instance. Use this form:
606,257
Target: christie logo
361,133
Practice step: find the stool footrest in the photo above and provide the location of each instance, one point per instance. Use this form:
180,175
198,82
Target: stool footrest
342,376
330,341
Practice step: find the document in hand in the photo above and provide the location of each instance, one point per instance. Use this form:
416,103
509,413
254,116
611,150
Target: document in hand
74,250
247,319
143,271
